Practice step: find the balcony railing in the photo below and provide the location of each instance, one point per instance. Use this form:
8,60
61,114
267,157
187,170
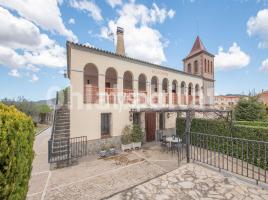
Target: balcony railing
142,97
174,98
128,96
165,98
111,95
190,99
183,99
91,94
155,98
197,100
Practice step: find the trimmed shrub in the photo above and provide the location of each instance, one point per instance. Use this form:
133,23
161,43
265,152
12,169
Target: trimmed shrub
126,137
16,152
137,134
223,128
213,127
251,123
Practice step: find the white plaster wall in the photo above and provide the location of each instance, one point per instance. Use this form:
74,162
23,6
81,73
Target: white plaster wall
85,118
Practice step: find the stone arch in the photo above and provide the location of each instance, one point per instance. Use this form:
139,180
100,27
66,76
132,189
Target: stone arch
91,83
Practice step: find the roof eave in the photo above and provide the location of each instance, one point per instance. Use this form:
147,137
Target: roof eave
69,44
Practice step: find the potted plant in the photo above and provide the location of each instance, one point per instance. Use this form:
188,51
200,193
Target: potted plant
126,138
137,136
112,149
103,150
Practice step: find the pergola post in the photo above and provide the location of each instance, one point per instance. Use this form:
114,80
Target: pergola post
187,133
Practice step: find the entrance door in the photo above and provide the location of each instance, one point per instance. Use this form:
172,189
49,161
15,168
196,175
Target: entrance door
150,125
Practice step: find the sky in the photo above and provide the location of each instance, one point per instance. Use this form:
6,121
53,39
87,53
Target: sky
33,37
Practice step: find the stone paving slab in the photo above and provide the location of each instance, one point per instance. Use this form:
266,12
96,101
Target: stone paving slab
192,181
106,184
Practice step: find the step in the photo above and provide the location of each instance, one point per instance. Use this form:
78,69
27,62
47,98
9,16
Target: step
58,135
61,148
62,127
62,131
62,112
62,121
62,118
60,153
61,136
67,122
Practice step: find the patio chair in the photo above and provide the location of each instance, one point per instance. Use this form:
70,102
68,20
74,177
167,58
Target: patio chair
164,143
174,147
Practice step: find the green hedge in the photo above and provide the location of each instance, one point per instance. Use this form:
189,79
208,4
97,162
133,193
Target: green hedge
252,123
223,128
213,127
16,152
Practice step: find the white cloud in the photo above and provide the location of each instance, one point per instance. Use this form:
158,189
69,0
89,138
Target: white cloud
258,25
45,14
264,65
114,3
34,78
17,32
23,46
14,73
141,40
171,13
234,58
71,21
89,7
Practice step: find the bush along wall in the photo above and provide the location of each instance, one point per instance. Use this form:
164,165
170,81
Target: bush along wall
248,151
16,152
252,123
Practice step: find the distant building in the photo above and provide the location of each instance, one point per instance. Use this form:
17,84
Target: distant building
226,101
264,97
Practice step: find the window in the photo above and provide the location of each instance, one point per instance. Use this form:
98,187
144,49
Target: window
196,67
211,65
105,124
205,65
161,121
189,68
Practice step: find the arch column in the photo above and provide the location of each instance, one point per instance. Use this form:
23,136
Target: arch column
170,97
149,92
101,88
120,89
160,91
136,90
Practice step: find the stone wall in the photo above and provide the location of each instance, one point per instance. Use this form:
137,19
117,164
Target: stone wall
94,146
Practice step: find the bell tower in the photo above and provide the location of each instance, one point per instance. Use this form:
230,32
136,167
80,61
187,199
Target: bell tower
201,63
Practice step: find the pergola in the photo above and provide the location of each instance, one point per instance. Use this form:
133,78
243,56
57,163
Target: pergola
189,114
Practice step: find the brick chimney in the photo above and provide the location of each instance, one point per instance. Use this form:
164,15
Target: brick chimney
120,47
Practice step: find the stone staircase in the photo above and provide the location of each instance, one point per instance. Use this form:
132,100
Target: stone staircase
61,134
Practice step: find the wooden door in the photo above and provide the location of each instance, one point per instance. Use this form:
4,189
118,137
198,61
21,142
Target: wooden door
150,125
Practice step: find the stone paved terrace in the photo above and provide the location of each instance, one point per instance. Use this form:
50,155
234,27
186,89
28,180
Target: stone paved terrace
192,181
145,174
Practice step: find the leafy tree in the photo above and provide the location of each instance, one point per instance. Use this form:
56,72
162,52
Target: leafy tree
30,108
43,108
249,109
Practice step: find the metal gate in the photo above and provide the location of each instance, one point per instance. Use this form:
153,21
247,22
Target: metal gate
64,150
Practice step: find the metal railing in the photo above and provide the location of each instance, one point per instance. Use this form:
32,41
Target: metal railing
66,149
241,156
91,94
53,117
